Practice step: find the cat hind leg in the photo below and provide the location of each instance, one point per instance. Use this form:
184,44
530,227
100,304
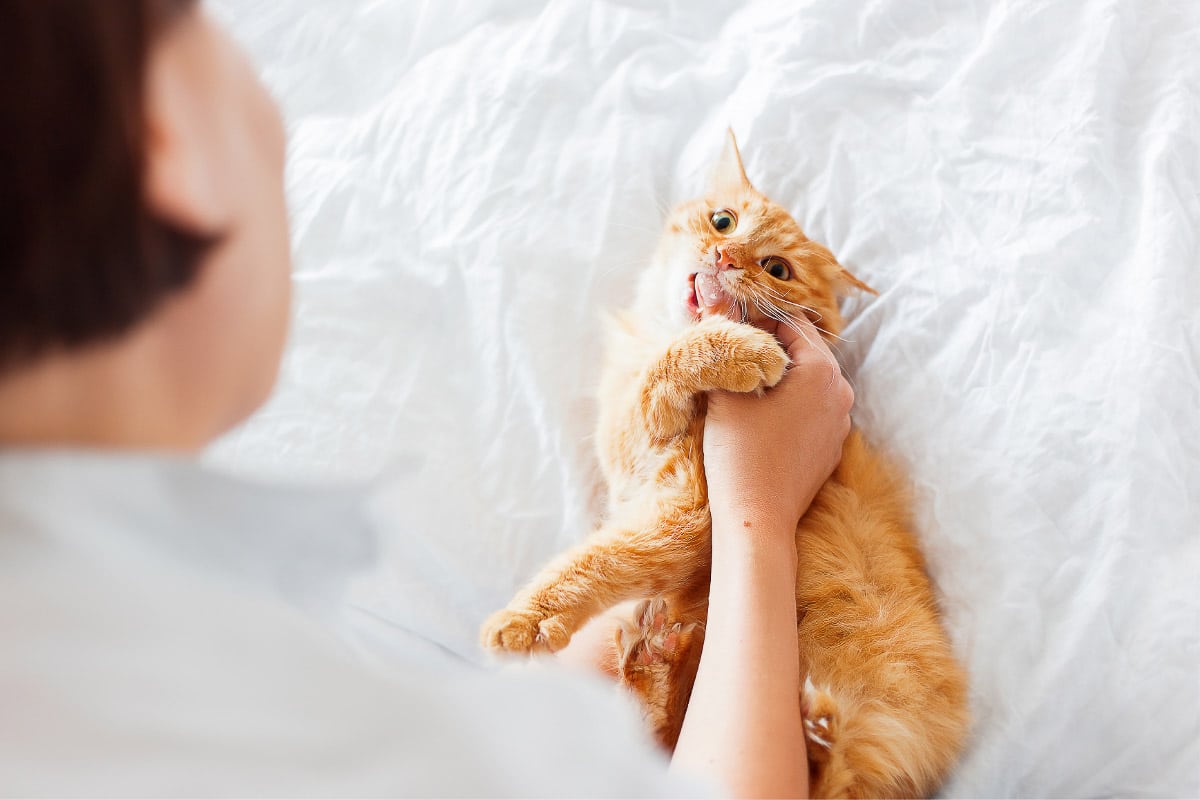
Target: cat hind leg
656,658
651,637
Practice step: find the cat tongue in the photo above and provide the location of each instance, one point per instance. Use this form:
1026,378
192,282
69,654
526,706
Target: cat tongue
709,293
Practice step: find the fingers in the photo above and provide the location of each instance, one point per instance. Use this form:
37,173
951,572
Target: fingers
813,360
768,324
787,335
801,335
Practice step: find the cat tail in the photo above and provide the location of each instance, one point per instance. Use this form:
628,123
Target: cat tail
830,775
863,749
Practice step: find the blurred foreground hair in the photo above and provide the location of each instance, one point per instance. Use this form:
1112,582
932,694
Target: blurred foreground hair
81,257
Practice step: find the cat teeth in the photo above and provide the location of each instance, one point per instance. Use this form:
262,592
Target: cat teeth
690,300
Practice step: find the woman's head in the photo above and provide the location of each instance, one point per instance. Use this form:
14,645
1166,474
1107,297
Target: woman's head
143,205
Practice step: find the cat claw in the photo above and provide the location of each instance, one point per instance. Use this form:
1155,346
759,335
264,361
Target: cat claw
816,730
649,639
818,710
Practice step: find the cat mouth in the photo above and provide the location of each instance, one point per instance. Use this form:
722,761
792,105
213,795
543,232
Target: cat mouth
706,295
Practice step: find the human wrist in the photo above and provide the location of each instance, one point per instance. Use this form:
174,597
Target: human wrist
746,512
753,534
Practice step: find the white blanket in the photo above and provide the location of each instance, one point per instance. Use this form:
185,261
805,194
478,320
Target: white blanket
472,182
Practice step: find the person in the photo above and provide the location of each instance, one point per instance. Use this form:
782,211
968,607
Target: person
153,644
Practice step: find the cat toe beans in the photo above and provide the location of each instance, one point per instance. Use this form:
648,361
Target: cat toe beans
653,639
657,655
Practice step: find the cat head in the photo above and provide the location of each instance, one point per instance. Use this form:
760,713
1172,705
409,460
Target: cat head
735,252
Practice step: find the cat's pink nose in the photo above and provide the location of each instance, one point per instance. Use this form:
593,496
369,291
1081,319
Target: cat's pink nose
723,260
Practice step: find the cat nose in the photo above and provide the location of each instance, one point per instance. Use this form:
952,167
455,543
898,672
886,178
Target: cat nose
722,260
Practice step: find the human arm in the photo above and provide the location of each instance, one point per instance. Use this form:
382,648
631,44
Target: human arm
765,459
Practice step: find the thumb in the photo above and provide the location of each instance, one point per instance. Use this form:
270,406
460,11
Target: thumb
799,335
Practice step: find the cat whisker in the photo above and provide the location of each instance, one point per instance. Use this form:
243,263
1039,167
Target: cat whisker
782,317
783,300
779,315
778,296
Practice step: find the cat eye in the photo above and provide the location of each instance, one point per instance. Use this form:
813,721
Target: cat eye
723,221
776,267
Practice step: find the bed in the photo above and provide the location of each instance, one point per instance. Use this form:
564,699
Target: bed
472,183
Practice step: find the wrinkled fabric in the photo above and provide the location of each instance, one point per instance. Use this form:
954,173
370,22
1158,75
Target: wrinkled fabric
473,183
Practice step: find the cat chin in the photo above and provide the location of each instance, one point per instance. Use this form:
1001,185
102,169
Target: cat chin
679,316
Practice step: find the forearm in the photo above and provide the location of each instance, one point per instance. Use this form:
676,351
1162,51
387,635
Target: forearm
743,724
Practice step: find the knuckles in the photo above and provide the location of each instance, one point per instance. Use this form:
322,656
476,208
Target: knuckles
820,371
843,394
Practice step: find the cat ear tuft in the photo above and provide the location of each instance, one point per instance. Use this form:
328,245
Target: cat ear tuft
729,174
846,278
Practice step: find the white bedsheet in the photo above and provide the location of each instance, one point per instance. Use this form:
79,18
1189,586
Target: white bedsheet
472,182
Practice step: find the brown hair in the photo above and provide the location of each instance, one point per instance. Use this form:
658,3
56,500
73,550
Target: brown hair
81,257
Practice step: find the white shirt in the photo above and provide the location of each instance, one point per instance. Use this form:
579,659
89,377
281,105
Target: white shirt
168,631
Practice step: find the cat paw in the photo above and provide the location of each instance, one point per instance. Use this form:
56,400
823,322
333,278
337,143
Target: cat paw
651,638
657,655
746,359
820,719
512,631
716,353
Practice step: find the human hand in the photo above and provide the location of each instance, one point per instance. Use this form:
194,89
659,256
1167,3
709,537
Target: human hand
765,457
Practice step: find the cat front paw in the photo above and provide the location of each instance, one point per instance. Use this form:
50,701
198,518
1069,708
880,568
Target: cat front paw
716,353
523,631
746,359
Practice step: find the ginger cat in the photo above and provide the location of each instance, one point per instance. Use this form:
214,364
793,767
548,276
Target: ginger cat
885,700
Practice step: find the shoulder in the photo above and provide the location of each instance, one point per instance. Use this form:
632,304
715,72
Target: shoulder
163,682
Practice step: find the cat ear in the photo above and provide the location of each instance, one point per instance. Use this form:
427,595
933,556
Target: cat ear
729,174
845,278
